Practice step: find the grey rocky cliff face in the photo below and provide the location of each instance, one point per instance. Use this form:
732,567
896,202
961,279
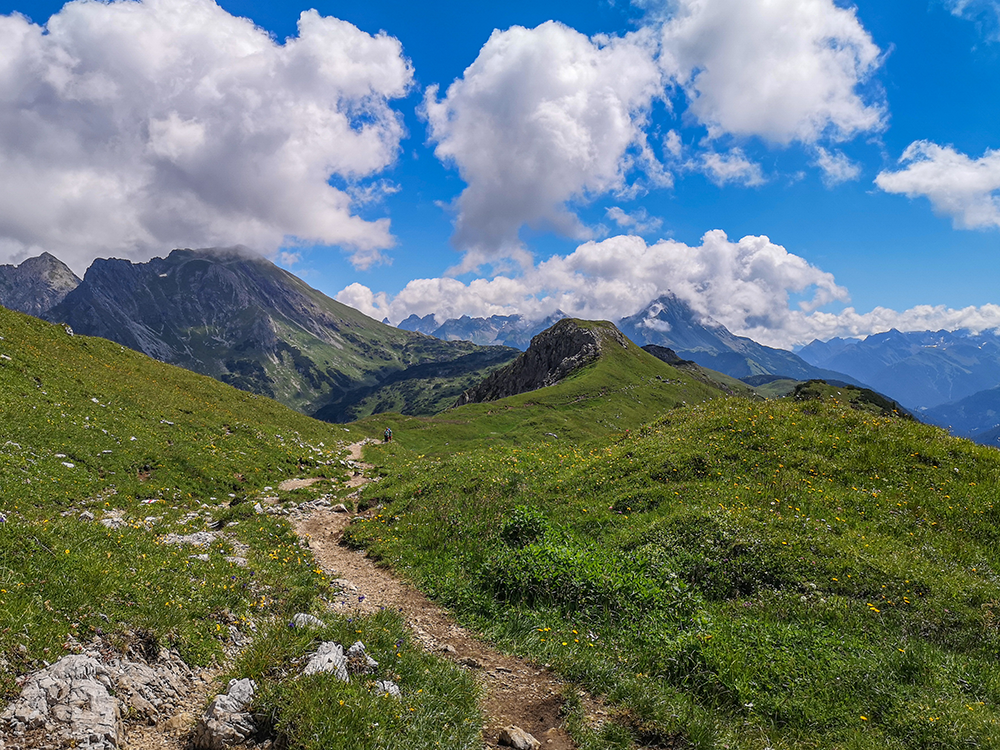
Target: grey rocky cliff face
37,285
553,355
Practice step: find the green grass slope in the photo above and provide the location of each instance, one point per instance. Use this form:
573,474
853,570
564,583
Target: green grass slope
624,388
90,427
735,574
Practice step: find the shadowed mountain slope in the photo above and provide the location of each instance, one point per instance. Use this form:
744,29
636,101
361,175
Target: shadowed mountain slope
976,417
241,319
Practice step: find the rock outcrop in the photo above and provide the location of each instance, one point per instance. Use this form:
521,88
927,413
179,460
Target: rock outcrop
37,285
226,721
553,355
79,701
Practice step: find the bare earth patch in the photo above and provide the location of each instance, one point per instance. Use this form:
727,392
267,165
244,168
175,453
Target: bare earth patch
298,484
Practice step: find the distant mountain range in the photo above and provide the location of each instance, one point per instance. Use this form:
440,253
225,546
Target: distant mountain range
672,323
497,330
976,416
920,369
37,285
241,319
667,322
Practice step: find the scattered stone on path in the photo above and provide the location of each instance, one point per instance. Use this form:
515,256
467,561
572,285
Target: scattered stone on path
197,539
297,484
328,658
225,722
340,508
518,739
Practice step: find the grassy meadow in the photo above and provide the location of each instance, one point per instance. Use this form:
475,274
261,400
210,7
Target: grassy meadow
89,427
816,571
735,574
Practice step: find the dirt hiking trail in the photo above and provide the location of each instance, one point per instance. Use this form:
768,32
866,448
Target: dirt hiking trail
516,692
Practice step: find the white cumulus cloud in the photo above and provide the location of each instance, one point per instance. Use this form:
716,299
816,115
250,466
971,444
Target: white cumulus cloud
542,117
836,166
745,284
732,166
750,286
966,189
131,127
784,70
545,119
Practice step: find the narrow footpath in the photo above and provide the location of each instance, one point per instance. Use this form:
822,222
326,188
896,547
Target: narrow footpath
516,692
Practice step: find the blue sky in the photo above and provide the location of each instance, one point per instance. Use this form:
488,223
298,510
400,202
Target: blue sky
701,115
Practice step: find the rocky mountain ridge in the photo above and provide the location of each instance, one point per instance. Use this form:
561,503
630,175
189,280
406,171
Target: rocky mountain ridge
667,322
496,330
237,317
36,285
553,355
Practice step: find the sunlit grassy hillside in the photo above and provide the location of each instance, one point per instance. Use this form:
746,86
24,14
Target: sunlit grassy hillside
94,432
735,574
623,389
90,427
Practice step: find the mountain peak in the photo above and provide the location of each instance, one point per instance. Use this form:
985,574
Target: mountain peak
554,354
36,285
236,316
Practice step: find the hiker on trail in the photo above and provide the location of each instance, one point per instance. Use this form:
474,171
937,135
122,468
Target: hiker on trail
387,435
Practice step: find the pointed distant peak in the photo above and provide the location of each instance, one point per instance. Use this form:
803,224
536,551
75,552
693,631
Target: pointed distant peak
669,311
426,324
37,285
42,261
